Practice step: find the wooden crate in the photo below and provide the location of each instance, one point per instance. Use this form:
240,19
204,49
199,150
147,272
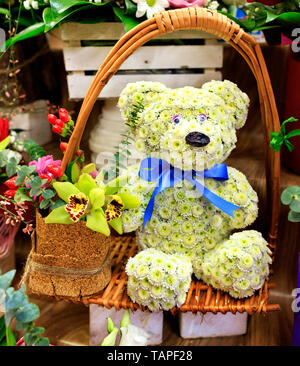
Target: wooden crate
172,64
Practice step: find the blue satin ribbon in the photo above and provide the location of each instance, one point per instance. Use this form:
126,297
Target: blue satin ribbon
154,169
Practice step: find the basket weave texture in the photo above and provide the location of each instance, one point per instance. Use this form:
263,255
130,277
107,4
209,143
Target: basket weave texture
200,297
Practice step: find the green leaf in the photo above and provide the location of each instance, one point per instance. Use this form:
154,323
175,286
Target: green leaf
6,279
59,216
61,11
44,204
69,167
117,225
57,204
10,337
86,183
75,173
97,198
128,21
11,167
30,338
34,150
28,32
288,193
129,200
27,313
289,19
131,8
23,172
16,299
96,221
61,6
294,216
4,11
42,342
37,182
295,205
89,168
4,143
21,196
48,193
65,190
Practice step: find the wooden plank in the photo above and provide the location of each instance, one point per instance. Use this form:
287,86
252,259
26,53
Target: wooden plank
78,84
114,31
148,57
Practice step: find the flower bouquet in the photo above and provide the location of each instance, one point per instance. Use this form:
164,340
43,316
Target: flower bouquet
12,212
29,18
75,210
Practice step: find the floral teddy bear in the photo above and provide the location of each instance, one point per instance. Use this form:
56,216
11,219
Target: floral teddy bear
184,226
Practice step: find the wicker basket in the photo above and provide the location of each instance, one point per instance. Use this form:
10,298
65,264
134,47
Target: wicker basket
200,296
69,261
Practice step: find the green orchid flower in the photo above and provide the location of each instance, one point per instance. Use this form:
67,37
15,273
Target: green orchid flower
86,200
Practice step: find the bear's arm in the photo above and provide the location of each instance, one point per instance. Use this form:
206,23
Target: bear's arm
238,191
132,219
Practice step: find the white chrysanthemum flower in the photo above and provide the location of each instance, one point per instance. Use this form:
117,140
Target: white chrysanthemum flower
166,282
243,272
150,7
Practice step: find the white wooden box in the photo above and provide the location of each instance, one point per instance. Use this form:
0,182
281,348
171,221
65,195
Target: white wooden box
173,65
152,323
212,325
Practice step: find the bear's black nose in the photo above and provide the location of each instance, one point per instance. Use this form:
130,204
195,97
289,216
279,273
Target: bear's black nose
197,139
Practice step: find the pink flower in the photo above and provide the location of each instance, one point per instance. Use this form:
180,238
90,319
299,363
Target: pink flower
186,3
42,163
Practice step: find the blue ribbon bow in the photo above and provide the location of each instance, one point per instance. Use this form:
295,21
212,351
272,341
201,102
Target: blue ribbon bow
154,169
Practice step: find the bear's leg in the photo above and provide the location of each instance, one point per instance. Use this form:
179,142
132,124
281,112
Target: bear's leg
239,265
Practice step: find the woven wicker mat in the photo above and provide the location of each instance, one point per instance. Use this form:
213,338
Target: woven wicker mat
200,297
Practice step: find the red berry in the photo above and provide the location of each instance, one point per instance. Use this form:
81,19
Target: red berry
57,129
55,170
52,119
63,146
41,198
60,123
46,176
10,183
10,193
79,152
64,115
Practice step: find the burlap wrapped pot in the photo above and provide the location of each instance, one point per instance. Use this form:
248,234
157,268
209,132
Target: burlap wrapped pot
69,261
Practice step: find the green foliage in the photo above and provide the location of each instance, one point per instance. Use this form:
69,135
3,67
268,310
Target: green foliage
23,172
34,150
280,138
291,197
17,306
128,21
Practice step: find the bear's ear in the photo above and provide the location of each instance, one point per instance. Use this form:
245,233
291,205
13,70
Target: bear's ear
137,96
236,101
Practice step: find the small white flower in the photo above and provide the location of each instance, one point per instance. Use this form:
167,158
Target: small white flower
150,7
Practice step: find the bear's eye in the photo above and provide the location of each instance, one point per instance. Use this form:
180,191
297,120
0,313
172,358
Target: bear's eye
176,118
202,117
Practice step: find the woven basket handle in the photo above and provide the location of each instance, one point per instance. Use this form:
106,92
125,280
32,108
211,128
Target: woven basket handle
211,22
